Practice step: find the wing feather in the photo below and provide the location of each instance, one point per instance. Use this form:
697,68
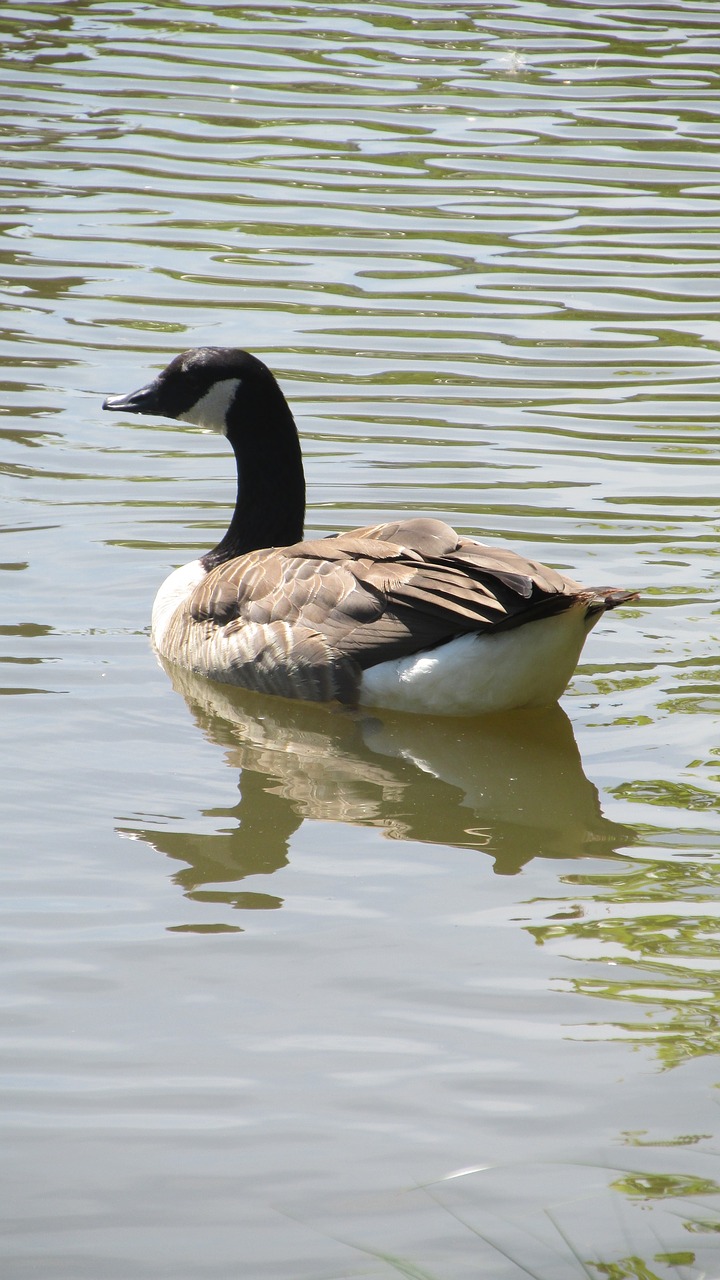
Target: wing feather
306,620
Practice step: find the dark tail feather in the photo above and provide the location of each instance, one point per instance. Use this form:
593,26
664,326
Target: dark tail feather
609,598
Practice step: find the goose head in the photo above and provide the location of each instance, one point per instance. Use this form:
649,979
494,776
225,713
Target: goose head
227,390
214,388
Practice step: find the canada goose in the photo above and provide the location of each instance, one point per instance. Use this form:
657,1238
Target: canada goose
407,615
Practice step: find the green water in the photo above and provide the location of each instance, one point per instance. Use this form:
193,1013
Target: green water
293,994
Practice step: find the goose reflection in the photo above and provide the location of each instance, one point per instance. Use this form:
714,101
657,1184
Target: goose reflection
512,787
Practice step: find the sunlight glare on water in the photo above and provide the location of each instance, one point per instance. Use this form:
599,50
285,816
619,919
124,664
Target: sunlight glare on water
290,992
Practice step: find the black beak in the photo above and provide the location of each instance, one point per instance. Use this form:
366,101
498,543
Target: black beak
145,400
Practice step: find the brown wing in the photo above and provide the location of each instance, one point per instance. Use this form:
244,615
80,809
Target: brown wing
306,620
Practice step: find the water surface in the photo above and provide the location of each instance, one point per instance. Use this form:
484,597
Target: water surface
290,992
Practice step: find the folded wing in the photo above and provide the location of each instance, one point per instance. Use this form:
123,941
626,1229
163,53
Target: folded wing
307,620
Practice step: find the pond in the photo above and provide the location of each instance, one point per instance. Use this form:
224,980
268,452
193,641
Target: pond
294,992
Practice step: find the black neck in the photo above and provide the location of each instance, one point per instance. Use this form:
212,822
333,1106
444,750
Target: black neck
270,505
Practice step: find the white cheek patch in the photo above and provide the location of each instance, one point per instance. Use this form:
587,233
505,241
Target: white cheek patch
210,411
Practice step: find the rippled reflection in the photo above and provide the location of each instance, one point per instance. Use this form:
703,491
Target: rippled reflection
511,787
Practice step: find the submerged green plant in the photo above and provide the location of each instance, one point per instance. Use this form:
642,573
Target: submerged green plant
666,1265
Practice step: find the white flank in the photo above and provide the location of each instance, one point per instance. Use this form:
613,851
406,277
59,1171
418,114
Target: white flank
211,410
528,666
174,592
